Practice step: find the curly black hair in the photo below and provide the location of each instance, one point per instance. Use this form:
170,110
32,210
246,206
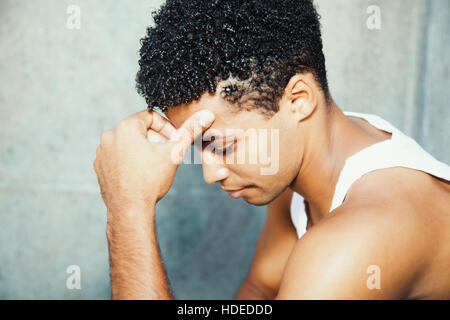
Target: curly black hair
257,45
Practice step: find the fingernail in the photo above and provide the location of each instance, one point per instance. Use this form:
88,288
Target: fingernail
206,118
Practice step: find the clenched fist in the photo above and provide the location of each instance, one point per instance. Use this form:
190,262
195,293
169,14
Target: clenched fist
137,161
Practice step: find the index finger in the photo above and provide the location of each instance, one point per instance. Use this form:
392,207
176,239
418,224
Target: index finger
193,127
154,121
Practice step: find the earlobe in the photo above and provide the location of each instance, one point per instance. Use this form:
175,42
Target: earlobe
302,97
307,108
302,108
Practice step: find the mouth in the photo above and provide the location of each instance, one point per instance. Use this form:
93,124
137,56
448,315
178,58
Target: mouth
237,193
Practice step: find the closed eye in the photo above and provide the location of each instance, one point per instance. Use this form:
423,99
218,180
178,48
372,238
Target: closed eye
228,149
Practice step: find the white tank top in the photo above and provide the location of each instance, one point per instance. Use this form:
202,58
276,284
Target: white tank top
399,151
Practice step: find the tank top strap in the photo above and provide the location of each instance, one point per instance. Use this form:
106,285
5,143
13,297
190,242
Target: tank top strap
298,214
398,151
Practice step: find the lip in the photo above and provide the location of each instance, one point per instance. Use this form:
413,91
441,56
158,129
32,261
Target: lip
235,193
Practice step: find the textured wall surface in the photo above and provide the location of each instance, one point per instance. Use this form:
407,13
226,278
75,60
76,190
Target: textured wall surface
61,88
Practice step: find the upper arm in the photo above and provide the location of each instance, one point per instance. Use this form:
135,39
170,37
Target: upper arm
358,255
274,246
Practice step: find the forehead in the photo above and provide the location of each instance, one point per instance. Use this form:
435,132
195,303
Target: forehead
179,114
225,116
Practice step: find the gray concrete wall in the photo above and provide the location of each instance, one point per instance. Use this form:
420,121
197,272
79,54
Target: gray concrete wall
61,88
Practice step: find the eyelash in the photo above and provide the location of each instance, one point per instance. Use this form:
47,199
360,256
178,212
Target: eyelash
228,149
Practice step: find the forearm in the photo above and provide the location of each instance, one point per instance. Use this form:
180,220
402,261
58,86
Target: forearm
137,271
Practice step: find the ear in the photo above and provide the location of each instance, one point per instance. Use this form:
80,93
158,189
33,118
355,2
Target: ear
301,96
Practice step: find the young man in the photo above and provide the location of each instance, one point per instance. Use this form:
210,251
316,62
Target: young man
377,205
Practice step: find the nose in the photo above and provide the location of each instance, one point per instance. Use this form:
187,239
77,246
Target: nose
213,173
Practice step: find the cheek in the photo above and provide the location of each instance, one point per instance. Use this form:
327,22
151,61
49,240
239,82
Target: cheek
251,154
209,157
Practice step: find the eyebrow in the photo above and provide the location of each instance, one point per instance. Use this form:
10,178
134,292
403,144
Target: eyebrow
208,136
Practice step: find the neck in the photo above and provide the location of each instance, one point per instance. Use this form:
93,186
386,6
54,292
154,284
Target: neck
328,140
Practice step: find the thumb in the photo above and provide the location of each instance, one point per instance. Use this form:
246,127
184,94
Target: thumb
188,132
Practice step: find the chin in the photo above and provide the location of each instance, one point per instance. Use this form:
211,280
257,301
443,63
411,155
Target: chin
258,201
262,198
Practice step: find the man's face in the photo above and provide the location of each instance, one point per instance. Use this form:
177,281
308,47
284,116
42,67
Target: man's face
245,149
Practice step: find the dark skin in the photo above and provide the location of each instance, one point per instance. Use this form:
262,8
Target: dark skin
396,219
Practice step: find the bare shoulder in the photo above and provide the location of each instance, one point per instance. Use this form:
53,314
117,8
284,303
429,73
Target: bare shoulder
407,196
401,180
382,231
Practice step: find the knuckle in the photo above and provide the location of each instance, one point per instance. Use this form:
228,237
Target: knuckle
123,124
128,124
106,136
140,122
